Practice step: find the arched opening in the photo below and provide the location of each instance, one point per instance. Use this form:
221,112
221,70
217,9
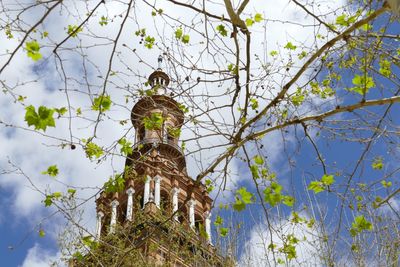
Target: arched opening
141,133
199,224
138,197
171,135
165,203
121,211
183,217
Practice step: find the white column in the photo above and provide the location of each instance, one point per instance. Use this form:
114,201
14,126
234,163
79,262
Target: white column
146,194
100,216
191,212
157,181
113,222
175,199
129,207
208,225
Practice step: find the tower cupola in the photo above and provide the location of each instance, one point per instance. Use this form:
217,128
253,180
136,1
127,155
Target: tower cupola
159,80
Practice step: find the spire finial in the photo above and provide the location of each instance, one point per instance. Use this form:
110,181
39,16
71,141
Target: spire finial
159,61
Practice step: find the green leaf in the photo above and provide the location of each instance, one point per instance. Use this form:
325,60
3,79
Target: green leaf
363,84
41,119
61,111
21,98
77,256
273,53
249,22
102,103
327,179
33,49
48,201
341,20
296,218
254,103
93,150
154,122
173,132
359,225
288,201
386,184
51,171
238,205
311,223
185,38
246,196
221,29
366,27
290,46
8,32
103,21
183,108
302,55
126,146
377,164
73,30
71,191
298,98
243,197
89,242
258,17
385,68
272,194
149,42
141,32
218,221
254,171
345,21
115,184
209,185
258,160
316,186
178,33
57,195
223,231
41,233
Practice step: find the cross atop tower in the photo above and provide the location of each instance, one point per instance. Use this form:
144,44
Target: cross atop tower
159,62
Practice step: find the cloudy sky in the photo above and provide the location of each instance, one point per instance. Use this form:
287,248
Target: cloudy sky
26,153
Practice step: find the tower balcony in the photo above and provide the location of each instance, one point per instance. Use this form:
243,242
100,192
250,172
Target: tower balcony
166,147
158,141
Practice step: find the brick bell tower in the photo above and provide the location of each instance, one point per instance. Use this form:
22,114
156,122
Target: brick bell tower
158,197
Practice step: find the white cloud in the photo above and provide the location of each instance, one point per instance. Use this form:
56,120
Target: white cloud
309,248
40,257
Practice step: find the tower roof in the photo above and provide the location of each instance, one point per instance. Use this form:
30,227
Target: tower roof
159,77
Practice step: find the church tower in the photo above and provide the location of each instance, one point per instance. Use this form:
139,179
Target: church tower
163,214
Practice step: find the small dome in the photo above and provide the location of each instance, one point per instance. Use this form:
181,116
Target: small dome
159,78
